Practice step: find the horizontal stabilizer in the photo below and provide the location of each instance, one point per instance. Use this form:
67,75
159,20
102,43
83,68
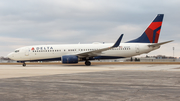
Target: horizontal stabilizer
158,44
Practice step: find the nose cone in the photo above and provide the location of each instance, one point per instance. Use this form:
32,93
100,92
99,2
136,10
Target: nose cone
10,55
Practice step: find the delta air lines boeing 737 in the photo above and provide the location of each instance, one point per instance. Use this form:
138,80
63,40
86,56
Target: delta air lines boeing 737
73,53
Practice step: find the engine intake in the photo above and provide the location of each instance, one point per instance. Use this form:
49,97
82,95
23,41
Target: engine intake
69,59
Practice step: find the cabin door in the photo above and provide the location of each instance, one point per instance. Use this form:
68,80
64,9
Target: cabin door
137,49
27,52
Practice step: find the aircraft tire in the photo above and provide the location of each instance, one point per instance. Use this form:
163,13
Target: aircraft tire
87,63
24,64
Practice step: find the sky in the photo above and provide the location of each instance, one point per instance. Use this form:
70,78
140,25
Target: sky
38,22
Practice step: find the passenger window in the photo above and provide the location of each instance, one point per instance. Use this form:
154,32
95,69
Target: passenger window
16,51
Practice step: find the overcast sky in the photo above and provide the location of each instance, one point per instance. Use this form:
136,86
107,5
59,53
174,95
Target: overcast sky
34,22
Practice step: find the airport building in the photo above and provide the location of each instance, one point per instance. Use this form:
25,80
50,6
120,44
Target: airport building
158,58
6,60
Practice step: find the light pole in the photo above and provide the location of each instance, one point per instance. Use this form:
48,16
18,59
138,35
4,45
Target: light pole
173,52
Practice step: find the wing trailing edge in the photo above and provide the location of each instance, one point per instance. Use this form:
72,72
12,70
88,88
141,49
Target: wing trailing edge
97,52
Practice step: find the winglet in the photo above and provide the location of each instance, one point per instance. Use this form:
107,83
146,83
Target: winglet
118,41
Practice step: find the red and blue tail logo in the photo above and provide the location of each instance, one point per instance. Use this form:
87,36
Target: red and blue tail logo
151,34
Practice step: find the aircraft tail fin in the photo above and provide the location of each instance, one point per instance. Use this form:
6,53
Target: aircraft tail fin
151,34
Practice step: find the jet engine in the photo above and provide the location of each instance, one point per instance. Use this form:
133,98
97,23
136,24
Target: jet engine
69,59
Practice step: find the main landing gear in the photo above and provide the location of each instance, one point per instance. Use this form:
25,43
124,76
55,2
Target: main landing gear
87,63
24,64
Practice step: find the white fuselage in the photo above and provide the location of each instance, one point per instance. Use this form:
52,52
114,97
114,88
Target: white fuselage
40,52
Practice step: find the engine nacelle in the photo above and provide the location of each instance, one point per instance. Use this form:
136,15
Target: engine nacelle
69,59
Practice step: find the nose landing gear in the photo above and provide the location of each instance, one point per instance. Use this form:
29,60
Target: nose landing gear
24,64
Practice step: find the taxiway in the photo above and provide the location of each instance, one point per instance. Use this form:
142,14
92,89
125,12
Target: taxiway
134,82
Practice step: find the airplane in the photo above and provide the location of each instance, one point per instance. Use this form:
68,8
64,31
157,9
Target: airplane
74,53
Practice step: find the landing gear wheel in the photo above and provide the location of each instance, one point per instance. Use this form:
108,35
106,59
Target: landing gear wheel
24,64
87,63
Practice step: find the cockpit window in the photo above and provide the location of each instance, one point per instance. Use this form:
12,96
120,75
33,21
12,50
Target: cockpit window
16,51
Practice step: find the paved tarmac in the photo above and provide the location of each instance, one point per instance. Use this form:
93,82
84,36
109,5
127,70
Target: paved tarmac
90,83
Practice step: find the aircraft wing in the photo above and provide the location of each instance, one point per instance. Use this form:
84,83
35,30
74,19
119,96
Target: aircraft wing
158,44
97,52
